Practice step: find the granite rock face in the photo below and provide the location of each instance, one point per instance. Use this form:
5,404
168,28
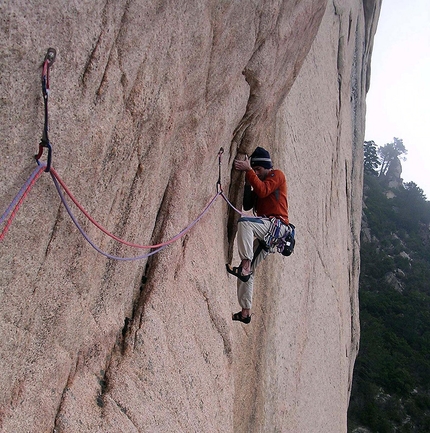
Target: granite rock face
143,94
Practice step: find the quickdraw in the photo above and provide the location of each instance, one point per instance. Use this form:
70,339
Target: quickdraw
44,142
272,236
218,184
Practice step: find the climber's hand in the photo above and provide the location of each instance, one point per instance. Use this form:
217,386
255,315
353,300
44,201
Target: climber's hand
242,165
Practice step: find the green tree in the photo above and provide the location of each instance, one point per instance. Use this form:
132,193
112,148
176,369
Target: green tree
389,152
415,191
371,160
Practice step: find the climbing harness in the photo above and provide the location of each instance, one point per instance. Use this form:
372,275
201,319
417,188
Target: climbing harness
44,142
274,243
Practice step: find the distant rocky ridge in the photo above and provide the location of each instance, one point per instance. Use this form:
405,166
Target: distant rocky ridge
143,95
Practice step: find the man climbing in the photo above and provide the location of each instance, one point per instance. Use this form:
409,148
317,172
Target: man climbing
266,193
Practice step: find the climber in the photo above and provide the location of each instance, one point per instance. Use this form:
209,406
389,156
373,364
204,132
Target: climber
265,192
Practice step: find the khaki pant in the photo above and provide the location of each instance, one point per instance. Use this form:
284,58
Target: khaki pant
249,231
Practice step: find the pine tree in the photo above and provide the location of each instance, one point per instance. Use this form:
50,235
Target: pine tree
389,152
371,160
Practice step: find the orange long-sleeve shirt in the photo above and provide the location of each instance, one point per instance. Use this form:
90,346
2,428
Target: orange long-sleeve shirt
270,194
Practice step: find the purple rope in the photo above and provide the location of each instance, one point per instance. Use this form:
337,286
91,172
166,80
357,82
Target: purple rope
143,256
20,193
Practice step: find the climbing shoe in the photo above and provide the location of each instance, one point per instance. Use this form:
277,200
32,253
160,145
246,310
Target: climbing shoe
238,316
237,272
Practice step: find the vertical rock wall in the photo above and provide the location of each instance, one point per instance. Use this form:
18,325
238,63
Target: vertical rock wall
143,95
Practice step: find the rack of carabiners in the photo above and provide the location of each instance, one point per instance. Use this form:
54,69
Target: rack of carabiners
11,211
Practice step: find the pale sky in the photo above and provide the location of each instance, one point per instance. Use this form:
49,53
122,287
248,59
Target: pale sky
398,102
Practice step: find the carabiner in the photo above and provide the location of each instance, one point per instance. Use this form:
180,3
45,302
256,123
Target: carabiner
218,184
